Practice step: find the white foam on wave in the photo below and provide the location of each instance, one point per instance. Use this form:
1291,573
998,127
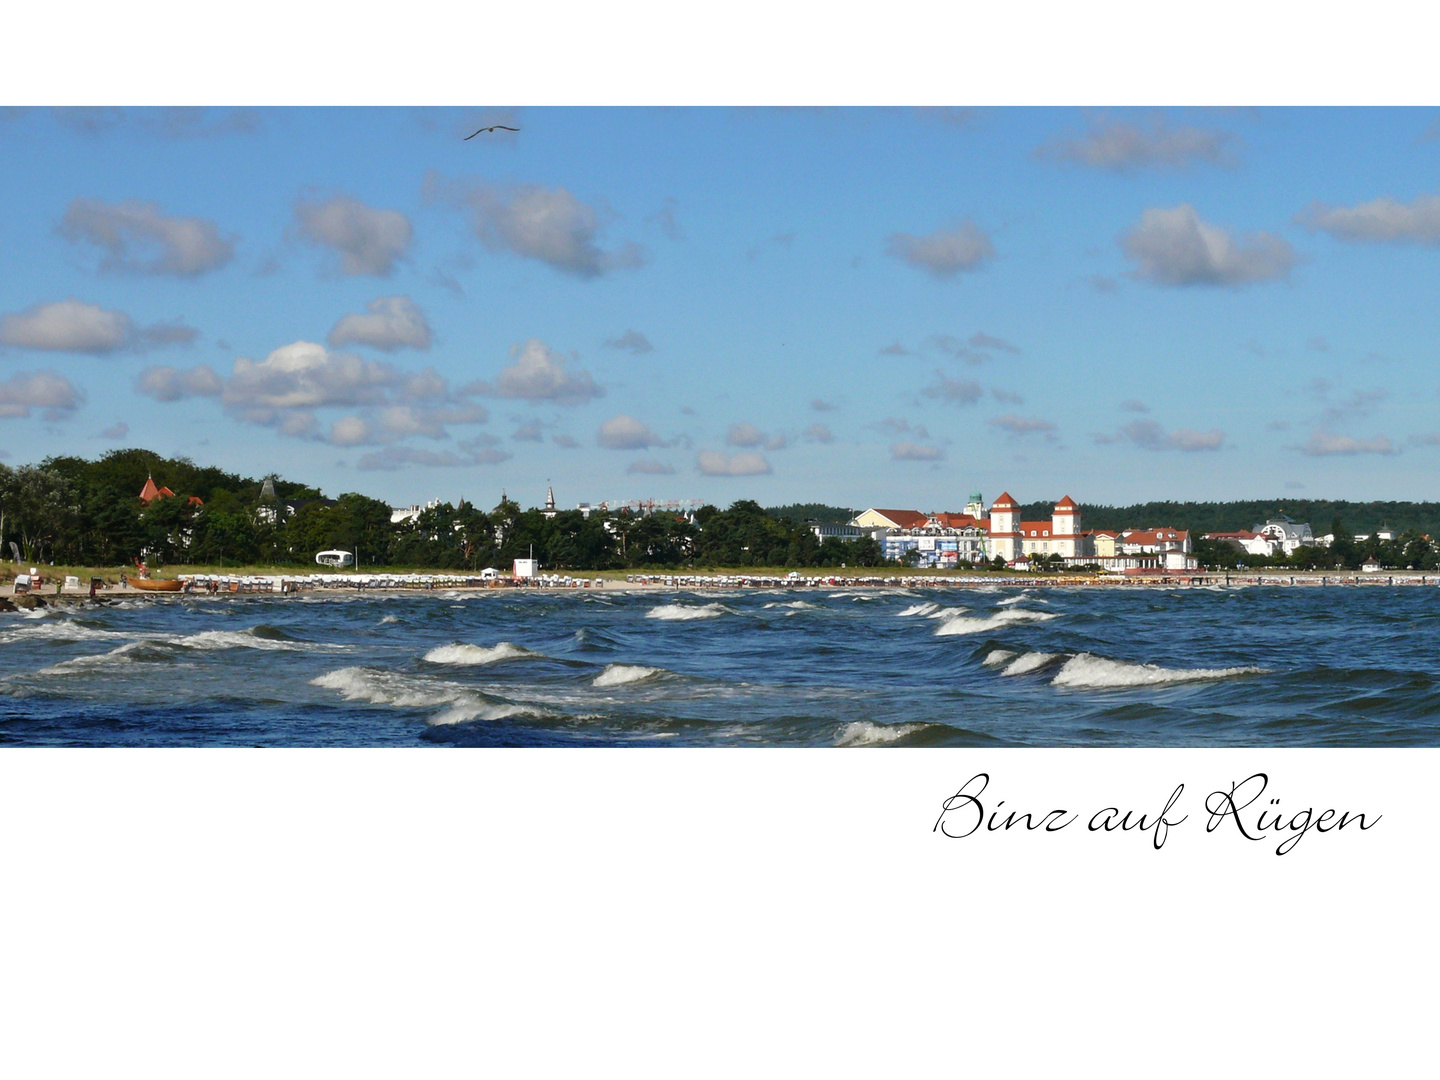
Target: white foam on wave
864,733
919,609
996,657
1024,596
241,639
1008,617
1028,662
389,619
463,655
947,613
457,704
93,662
623,674
1089,671
685,612
56,630
797,605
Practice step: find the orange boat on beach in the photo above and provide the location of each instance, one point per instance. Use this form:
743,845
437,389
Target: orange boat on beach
157,584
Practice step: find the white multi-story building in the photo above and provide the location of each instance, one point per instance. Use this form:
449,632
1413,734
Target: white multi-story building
1286,534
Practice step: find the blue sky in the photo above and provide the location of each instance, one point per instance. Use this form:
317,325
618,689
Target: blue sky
865,307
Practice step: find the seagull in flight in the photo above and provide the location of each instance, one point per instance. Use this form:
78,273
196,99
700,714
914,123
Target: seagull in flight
492,127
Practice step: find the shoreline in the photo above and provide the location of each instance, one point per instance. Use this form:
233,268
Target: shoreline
446,586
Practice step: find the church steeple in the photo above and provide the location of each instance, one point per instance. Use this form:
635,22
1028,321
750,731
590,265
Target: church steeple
550,502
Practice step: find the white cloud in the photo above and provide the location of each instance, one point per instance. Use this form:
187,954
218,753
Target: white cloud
367,240
303,375
953,391
540,374
397,457
1174,247
749,437
138,238
1022,425
945,252
1325,444
665,218
45,390
633,340
1381,221
285,390
68,326
549,225
819,433
389,323
649,467
176,384
898,425
713,463
909,451
626,433
1149,435
171,333
1121,146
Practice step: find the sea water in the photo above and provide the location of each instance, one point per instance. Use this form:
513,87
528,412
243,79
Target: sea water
803,667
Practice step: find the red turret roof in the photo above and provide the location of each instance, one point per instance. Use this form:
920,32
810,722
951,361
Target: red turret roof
149,493
1065,504
1005,502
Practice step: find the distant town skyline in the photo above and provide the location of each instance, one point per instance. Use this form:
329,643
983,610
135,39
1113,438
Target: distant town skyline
853,306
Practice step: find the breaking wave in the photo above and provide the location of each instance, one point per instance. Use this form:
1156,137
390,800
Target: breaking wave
685,612
1028,662
1024,596
797,605
623,674
919,609
463,655
997,657
116,657
1008,617
256,637
386,688
864,733
1095,672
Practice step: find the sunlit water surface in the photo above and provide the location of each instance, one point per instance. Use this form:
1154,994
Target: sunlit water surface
812,667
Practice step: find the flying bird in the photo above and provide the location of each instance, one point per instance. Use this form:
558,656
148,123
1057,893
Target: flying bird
492,127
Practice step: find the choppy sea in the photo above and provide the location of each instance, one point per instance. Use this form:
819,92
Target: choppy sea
988,666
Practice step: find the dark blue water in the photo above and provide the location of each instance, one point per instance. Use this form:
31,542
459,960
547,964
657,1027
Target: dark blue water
804,667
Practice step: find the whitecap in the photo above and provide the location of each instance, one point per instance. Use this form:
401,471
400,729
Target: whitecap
996,657
622,674
919,609
80,664
947,613
1028,662
864,733
1024,596
241,639
389,619
1008,617
685,612
797,605
464,655
1089,671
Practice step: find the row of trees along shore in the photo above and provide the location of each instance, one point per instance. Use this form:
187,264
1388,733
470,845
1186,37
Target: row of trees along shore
74,511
